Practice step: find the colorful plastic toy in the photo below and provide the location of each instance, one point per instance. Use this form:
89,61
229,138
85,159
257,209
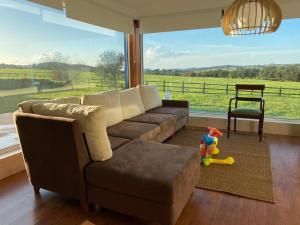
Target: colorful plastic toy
208,148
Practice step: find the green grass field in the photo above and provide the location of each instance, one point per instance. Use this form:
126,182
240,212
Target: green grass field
213,100
216,101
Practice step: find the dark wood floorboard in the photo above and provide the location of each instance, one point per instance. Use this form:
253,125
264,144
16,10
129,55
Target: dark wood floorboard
19,205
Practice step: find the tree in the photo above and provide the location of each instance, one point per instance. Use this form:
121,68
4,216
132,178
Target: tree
56,62
110,68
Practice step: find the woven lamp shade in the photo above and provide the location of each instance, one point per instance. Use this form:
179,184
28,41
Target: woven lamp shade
247,17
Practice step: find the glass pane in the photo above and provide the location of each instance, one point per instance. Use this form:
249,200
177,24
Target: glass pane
204,65
45,55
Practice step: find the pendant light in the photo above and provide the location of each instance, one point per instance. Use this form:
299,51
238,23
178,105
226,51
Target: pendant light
251,17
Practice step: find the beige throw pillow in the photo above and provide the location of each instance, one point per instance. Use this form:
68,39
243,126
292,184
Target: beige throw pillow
131,103
92,123
25,106
111,102
150,96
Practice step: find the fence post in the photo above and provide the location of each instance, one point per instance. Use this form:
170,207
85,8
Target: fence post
203,90
227,89
164,86
280,91
182,87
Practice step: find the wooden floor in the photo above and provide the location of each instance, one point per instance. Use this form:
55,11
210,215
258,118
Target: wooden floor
18,205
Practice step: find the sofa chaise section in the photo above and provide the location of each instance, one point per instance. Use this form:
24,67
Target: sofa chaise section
155,179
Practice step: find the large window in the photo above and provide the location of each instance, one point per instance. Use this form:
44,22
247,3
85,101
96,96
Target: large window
44,55
204,65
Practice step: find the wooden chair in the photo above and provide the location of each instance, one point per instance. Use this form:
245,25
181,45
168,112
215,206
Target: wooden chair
250,113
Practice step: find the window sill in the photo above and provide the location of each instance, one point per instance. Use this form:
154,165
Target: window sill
11,161
9,151
271,126
224,116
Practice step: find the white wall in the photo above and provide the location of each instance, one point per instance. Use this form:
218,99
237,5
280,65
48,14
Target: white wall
270,126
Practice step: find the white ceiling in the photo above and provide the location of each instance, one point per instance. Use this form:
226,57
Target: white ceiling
156,15
145,8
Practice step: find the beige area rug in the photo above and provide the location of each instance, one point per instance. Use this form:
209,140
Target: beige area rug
251,174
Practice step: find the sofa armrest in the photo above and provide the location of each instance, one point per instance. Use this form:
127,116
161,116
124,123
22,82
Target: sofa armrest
175,103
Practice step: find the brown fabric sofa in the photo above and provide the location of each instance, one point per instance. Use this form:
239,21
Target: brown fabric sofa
144,178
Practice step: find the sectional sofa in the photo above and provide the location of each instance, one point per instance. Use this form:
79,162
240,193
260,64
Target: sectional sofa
142,177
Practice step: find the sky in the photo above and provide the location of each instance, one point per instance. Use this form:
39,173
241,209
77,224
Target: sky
31,34
210,47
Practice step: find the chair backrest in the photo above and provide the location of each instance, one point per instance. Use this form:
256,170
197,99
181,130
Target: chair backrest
54,152
250,87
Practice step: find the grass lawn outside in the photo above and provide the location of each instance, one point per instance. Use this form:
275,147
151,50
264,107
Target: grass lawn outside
281,103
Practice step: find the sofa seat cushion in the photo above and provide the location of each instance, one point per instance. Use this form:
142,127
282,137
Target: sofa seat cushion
116,142
167,123
148,170
132,130
178,112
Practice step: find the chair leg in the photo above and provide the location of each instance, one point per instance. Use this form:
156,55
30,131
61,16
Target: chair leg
36,189
228,126
260,137
260,129
85,206
234,124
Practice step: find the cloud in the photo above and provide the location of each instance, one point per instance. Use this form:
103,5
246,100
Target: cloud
163,51
163,57
51,57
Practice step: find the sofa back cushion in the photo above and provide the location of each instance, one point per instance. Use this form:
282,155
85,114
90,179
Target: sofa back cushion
111,102
26,106
131,103
150,96
92,123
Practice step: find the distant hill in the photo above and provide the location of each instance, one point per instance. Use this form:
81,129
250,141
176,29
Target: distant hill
284,72
51,66
63,66
279,72
8,66
199,69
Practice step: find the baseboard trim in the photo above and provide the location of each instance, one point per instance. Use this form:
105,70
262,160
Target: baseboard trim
246,125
